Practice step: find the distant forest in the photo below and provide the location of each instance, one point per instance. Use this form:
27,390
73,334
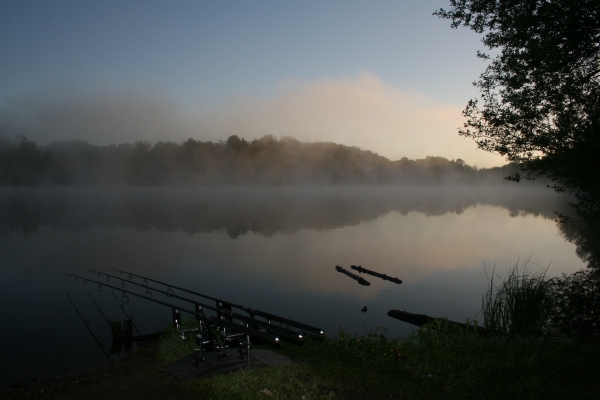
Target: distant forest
236,161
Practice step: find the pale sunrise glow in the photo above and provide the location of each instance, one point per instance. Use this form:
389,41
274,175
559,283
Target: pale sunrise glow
362,111
386,77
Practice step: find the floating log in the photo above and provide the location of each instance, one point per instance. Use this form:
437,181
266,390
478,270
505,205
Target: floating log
377,274
357,278
422,319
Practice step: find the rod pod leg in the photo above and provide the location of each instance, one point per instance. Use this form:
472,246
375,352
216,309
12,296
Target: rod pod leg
248,346
245,352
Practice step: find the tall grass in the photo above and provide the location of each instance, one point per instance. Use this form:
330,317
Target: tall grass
522,304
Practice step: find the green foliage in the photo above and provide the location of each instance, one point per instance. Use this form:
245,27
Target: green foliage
443,325
171,347
440,361
527,304
520,305
293,382
577,305
470,366
541,92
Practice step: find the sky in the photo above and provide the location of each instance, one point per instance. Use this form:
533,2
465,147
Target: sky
386,76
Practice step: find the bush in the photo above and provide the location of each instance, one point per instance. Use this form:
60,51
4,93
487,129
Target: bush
576,310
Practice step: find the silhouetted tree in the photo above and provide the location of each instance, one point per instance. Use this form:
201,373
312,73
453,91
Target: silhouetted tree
236,144
541,92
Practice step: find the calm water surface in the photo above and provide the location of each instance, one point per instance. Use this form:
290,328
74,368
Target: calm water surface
270,249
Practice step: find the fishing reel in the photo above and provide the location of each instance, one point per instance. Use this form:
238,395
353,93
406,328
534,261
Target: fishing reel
212,335
177,321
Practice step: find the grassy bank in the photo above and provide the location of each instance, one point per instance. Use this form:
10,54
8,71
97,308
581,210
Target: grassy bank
450,364
541,342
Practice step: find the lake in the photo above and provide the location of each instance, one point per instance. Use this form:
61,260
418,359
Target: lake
273,249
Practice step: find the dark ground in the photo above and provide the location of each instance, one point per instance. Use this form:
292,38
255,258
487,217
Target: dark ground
136,377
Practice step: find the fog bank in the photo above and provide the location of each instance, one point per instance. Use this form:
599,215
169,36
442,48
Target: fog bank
234,162
360,111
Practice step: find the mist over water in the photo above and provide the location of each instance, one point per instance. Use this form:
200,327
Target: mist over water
265,211
272,249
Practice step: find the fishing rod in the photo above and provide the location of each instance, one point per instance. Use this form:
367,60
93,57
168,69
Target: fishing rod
357,278
108,320
220,310
271,317
214,334
115,326
377,274
209,319
122,306
87,323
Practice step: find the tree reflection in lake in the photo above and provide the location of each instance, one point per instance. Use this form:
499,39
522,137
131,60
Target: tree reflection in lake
263,211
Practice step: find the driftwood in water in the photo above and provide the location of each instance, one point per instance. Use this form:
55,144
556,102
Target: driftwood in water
422,319
357,278
377,274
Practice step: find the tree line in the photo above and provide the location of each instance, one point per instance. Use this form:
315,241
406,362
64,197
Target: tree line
236,161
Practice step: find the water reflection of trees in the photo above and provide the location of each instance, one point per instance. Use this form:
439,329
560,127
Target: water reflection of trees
586,240
269,211
261,211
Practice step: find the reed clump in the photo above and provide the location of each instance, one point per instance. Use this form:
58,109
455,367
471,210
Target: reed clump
520,305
